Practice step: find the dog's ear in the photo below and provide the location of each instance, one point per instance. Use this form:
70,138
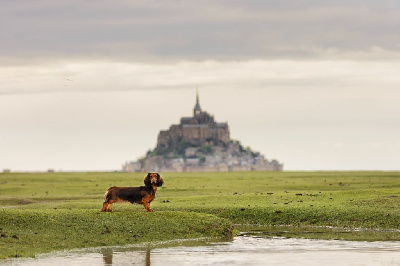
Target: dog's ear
160,180
147,181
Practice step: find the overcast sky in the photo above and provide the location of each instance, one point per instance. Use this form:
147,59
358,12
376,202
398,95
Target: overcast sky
87,85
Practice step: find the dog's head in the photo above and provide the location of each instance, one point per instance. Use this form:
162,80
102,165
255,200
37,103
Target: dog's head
153,179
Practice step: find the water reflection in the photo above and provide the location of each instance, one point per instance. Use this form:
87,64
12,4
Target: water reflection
257,250
315,232
108,254
255,246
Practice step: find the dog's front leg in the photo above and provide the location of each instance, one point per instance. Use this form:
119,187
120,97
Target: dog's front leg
146,203
147,207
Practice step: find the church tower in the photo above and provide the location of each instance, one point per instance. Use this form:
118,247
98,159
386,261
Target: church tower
197,109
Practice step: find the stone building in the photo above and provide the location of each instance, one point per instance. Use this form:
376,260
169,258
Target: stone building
194,131
200,144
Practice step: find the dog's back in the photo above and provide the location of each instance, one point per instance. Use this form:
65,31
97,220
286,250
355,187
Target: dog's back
129,194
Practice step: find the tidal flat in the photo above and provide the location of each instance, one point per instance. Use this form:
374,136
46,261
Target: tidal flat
44,212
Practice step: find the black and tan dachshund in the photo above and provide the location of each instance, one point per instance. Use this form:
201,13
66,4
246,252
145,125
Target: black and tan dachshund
139,195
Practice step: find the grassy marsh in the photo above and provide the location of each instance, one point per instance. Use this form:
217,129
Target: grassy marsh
41,212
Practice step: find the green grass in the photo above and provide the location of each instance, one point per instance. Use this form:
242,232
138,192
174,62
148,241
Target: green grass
38,230
56,211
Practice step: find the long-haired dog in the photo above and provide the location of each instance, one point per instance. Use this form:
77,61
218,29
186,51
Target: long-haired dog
139,195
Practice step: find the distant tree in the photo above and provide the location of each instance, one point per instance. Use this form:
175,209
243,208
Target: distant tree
240,147
181,147
206,149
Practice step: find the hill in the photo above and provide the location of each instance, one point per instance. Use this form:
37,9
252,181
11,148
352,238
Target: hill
200,144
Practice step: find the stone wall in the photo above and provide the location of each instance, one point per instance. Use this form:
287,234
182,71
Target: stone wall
195,131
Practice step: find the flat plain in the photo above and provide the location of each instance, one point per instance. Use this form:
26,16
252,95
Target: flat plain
43,212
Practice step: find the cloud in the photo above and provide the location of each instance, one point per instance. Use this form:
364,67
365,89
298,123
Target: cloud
278,74
198,30
338,145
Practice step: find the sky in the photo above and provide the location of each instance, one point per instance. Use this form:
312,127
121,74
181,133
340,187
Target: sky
87,85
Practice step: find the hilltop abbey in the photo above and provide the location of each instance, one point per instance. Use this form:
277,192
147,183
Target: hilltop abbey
195,131
200,144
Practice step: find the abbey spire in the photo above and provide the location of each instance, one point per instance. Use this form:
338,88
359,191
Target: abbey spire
197,109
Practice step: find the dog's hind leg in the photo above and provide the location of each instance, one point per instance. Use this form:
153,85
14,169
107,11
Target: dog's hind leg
107,204
107,207
104,207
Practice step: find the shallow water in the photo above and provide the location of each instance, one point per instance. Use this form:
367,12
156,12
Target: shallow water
256,247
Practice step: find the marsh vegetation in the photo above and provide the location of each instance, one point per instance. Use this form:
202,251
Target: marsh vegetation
42,212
